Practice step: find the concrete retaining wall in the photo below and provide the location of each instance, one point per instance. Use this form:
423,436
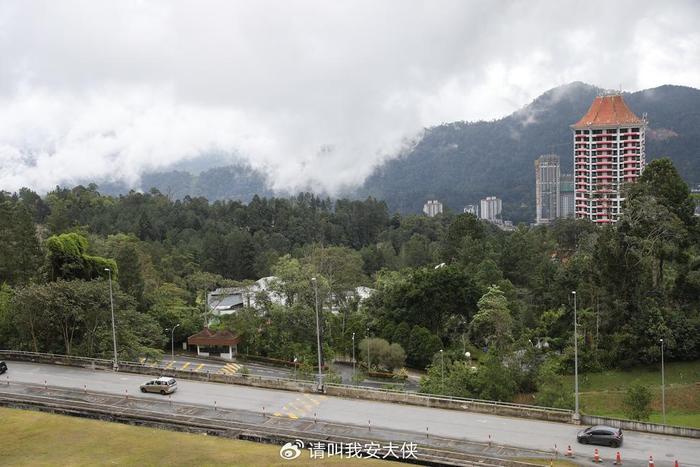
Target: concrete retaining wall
641,426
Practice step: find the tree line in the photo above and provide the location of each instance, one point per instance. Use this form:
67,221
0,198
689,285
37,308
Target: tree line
444,287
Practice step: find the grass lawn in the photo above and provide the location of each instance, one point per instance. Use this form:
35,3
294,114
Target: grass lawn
33,438
602,393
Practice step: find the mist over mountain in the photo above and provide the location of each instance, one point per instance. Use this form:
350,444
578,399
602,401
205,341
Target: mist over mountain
462,162
237,182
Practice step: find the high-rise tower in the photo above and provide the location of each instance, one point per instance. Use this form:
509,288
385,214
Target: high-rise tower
608,152
547,188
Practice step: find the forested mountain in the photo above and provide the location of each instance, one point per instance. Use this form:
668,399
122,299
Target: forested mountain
461,162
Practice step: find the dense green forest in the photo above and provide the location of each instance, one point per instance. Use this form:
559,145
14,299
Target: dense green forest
443,286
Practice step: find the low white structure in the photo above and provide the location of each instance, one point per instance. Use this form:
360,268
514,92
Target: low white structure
224,301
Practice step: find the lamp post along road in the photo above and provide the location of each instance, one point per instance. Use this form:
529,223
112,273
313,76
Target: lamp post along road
172,342
318,336
442,361
663,383
353,357
576,414
115,364
369,359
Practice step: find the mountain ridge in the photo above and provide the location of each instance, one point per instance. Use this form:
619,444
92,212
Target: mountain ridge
461,162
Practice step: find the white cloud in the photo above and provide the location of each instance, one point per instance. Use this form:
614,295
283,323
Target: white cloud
315,92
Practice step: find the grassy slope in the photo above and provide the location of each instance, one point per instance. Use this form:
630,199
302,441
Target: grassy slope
602,393
33,438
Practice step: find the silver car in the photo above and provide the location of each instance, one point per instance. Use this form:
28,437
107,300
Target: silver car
163,385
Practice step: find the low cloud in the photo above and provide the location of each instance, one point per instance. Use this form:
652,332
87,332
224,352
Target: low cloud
315,93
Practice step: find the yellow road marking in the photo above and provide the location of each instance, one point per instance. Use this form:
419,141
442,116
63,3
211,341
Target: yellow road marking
153,365
142,360
184,367
277,414
199,367
170,365
292,416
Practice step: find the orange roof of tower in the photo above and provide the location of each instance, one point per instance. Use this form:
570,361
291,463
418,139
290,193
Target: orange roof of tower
608,111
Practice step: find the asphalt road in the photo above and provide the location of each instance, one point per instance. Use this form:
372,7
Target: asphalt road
518,432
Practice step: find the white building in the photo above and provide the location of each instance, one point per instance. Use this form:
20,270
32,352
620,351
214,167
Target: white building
225,301
490,209
432,208
471,209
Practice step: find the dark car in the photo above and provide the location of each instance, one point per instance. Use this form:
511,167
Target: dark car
3,367
601,434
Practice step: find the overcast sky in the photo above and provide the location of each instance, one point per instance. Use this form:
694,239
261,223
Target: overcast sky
314,92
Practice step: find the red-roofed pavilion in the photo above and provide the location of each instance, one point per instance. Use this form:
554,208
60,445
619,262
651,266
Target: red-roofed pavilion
215,343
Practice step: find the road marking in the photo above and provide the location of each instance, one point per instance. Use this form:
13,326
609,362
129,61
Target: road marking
199,367
142,360
184,367
277,414
292,416
230,369
170,365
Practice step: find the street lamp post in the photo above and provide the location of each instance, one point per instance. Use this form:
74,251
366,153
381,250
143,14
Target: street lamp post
353,357
115,364
369,359
663,383
318,336
442,361
172,342
576,414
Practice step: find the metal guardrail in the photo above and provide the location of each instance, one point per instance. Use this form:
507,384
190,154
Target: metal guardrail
52,355
365,389
452,398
